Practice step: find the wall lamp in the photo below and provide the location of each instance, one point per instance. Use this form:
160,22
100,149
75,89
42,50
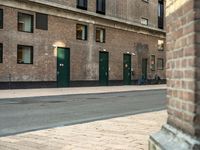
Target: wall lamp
54,46
133,54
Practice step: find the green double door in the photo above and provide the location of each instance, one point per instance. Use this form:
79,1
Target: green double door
127,69
63,67
103,68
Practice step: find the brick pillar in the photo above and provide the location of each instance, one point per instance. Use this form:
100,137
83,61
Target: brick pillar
182,131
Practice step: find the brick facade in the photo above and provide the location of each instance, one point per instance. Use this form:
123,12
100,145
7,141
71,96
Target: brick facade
181,68
182,76
121,38
129,10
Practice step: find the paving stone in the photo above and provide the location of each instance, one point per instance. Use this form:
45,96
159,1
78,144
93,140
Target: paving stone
124,133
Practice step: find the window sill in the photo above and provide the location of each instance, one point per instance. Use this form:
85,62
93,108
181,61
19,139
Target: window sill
80,7
81,39
101,12
100,42
25,31
25,63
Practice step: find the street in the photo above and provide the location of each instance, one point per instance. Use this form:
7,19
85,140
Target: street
28,114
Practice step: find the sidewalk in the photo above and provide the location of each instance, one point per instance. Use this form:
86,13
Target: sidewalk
124,133
77,90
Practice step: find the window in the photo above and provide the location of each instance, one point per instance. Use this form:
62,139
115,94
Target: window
1,53
101,7
160,45
41,21
1,18
81,32
160,14
160,64
144,21
24,54
100,35
153,62
25,22
82,4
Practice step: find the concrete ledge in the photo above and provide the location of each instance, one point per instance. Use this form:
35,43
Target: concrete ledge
169,138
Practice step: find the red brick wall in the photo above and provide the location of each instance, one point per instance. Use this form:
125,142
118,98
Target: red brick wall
197,67
183,66
62,31
131,10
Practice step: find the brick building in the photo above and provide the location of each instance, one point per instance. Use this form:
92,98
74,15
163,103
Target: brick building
182,130
63,43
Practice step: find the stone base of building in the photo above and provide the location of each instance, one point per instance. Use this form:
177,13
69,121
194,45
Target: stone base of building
169,138
28,85
53,84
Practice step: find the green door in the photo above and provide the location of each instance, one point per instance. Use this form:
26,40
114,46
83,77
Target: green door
144,68
127,69
63,67
103,68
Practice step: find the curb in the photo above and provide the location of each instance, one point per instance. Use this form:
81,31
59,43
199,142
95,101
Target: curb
25,93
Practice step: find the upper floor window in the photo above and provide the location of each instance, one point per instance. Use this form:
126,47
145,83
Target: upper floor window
1,53
160,14
100,35
24,54
101,7
81,32
1,18
41,21
144,21
25,22
160,64
82,4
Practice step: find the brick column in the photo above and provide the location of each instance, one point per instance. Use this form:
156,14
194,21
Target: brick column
182,131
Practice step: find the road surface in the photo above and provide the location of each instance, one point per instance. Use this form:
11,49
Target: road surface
28,114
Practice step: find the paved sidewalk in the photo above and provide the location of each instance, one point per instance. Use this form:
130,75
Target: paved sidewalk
79,90
124,133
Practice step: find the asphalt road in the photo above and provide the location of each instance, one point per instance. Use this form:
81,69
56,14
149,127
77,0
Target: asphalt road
28,114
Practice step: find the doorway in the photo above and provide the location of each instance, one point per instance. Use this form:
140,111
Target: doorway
144,68
127,69
103,68
63,67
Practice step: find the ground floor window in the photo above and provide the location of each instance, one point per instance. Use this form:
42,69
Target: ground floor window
153,64
1,53
100,35
81,32
24,54
160,64
160,45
